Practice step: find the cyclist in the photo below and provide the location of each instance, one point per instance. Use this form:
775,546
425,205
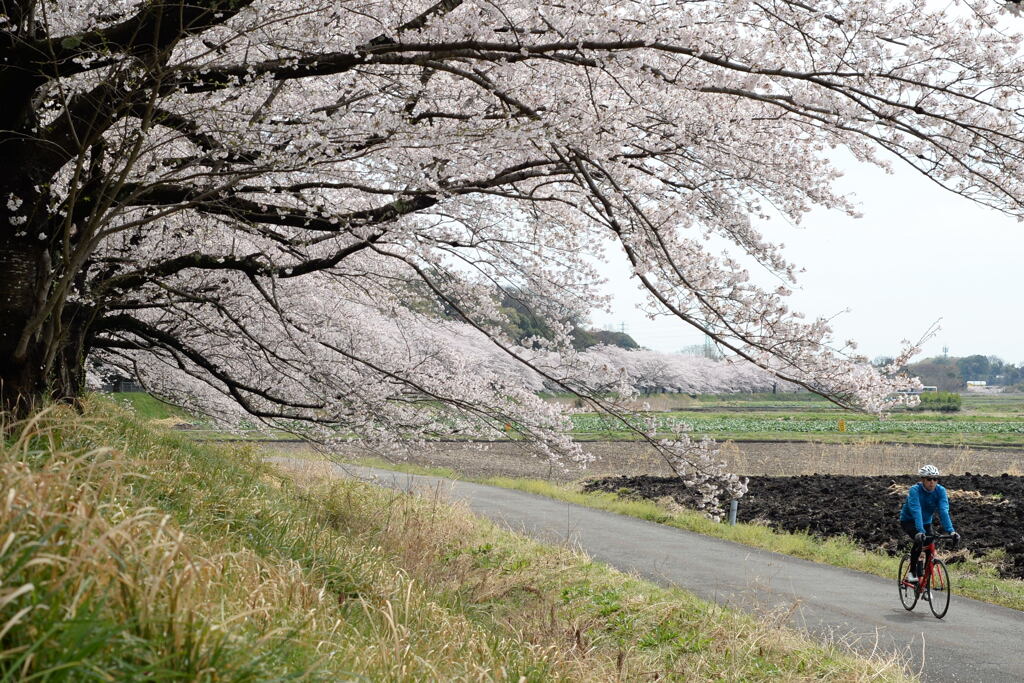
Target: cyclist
924,499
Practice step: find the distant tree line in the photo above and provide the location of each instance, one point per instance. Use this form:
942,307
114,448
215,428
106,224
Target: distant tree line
523,323
522,320
951,373
704,350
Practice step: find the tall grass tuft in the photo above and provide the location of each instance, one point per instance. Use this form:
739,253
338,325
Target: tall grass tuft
97,585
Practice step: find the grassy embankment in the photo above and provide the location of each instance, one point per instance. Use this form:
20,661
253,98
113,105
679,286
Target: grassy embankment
130,553
162,414
150,408
974,577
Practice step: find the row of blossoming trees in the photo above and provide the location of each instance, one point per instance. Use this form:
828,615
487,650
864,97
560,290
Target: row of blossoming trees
269,204
642,371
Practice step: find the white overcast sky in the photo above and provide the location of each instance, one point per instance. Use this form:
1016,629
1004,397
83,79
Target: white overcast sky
917,255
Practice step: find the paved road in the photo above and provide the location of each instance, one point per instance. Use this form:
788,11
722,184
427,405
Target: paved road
974,642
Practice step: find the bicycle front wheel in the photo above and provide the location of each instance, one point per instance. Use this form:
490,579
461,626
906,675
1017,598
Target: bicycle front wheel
908,596
938,584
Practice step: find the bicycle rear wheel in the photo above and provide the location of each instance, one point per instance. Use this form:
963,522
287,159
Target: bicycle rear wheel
908,596
938,584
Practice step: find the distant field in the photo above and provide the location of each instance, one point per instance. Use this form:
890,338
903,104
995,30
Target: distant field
985,420
990,421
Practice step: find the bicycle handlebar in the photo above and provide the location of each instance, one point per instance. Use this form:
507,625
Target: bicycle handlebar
931,538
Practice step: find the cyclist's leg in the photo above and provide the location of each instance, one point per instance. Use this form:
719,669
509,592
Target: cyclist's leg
915,549
921,565
926,595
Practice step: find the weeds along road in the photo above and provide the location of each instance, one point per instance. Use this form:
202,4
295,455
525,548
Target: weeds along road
975,642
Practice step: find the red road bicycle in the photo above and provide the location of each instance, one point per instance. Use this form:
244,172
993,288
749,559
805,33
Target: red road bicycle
933,585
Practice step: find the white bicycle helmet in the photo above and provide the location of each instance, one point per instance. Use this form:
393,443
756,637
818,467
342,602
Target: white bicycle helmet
928,471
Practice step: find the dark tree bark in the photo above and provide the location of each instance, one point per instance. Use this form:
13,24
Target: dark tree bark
22,379
38,362
42,339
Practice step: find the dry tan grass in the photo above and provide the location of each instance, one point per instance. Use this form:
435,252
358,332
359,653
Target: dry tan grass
861,459
186,602
509,459
900,491
576,612
168,422
72,525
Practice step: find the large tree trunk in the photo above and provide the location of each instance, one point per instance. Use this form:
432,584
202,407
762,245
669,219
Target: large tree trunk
22,380
47,364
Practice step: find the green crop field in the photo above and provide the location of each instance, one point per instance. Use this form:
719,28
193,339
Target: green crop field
992,421
987,420
665,423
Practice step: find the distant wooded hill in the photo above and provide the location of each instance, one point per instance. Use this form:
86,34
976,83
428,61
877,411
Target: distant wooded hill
523,323
520,319
951,373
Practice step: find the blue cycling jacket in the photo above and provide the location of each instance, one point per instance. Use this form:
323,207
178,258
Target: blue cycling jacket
921,507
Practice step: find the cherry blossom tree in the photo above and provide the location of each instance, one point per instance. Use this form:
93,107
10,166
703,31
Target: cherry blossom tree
262,208
636,371
652,371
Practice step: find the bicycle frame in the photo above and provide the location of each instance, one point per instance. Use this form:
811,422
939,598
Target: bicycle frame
929,562
933,582
929,551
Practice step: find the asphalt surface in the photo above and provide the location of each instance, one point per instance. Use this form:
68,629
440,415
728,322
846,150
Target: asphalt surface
976,641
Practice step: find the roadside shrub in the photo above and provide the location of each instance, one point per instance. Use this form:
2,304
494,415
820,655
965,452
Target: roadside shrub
942,401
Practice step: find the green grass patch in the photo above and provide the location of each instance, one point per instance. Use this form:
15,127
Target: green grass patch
926,428
149,407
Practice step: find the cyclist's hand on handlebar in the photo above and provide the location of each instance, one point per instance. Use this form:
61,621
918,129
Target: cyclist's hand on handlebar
919,538
956,538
